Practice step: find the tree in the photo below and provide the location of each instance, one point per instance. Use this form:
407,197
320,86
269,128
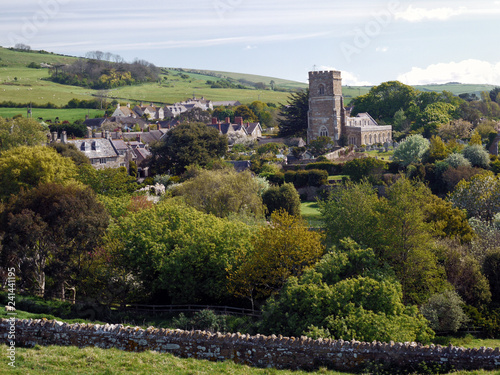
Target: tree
348,295
25,167
349,211
457,160
293,120
246,113
284,197
411,150
49,233
444,312
69,150
457,129
186,144
400,121
477,155
222,192
179,254
320,145
21,132
491,267
369,168
107,181
479,196
384,100
437,150
284,248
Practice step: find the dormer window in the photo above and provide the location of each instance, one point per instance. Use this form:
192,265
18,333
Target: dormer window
95,146
85,146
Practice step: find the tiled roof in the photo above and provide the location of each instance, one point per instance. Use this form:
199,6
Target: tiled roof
95,147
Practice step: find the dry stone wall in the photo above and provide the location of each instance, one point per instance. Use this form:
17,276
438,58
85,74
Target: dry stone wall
261,351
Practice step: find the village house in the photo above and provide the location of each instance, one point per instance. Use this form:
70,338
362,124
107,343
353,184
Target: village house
247,131
150,111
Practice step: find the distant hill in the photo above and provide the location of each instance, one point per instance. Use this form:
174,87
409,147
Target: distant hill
21,84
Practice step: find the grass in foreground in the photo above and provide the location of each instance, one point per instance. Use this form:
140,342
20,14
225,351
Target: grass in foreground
72,360
310,213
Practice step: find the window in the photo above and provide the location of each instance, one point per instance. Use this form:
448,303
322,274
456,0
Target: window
323,132
322,89
103,160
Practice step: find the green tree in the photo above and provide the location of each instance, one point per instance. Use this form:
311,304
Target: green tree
187,144
444,312
349,294
320,145
284,197
479,196
26,167
107,181
293,116
350,211
400,121
411,150
384,100
437,150
179,254
21,132
246,113
477,156
457,160
491,267
69,150
223,192
50,234
369,168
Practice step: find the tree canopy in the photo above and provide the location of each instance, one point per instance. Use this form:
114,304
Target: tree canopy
293,120
21,132
186,144
25,167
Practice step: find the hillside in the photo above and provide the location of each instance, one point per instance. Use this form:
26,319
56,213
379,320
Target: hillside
21,84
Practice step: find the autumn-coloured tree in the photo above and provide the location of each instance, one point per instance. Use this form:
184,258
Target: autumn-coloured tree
284,248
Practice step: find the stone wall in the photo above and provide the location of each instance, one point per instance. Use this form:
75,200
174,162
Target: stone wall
261,351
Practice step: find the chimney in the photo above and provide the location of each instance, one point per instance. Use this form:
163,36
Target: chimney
89,133
228,120
238,120
220,129
118,105
64,137
214,120
248,125
142,104
106,134
138,138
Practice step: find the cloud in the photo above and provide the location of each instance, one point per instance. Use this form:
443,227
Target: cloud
466,71
413,14
382,49
348,78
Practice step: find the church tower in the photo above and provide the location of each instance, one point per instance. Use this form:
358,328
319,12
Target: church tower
326,116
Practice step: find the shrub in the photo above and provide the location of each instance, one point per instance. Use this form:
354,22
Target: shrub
331,168
283,197
457,160
316,177
477,156
277,178
290,176
301,179
444,311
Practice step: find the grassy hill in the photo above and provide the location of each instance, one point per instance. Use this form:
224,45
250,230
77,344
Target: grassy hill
21,84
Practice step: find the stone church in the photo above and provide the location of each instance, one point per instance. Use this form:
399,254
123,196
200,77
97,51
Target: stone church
327,115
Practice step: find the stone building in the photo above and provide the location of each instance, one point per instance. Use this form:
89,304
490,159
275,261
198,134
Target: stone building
327,115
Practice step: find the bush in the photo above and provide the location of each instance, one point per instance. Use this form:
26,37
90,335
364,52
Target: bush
316,177
301,179
290,177
477,156
277,178
457,160
331,168
444,312
283,197
204,320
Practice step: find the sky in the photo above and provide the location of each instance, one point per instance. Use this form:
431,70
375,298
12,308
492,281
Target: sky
370,41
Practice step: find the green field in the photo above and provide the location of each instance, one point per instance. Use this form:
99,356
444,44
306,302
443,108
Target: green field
70,115
72,360
31,85
310,213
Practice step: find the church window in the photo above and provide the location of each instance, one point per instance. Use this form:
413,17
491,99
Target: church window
323,132
321,89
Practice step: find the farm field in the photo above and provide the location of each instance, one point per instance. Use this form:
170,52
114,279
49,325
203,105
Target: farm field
70,115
